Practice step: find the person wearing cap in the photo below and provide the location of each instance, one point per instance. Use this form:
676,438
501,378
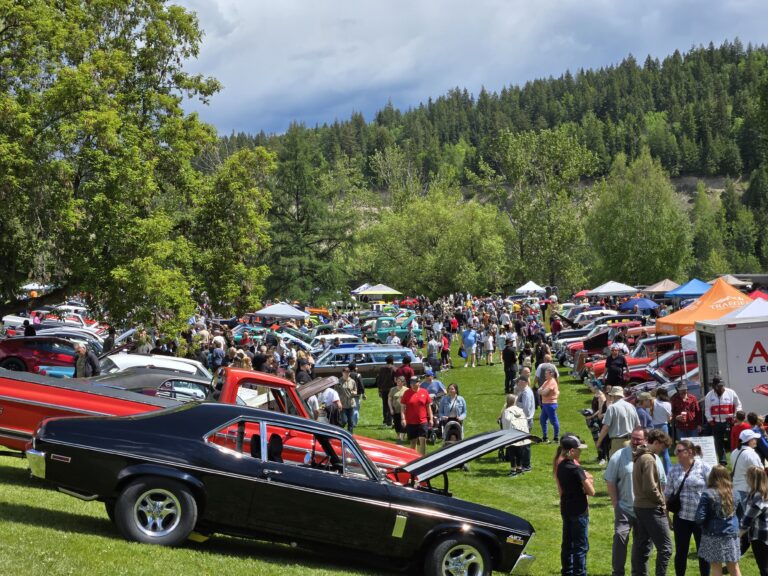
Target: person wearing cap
303,376
643,403
615,367
720,407
651,524
435,388
619,420
417,414
686,413
385,381
469,344
742,459
526,401
576,485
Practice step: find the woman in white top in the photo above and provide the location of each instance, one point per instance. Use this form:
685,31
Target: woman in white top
742,459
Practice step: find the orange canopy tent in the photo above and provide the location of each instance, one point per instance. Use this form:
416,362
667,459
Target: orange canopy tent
718,301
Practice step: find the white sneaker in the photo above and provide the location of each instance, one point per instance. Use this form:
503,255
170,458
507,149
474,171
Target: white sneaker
601,462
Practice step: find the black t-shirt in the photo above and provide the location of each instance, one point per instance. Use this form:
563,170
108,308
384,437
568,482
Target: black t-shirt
614,369
573,501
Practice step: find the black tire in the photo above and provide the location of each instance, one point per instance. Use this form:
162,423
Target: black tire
109,508
14,364
457,554
155,510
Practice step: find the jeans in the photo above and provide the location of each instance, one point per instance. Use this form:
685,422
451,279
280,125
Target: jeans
356,415
680,434
651,529
549,412
348,418
622,526
510,373
573,551
684,529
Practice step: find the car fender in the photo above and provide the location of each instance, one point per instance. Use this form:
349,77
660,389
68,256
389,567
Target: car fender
486,536
131,472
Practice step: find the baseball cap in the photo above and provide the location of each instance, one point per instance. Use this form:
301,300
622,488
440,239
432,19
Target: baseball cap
615,347
644,396
570,441
747,435
429,372
683,385
414,379
717,381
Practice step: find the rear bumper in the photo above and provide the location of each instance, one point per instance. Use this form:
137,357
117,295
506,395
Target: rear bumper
523,565
36,461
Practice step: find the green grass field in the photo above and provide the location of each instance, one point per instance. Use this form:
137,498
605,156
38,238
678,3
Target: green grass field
46,533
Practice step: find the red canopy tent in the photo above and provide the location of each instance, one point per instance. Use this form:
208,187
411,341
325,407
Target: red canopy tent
758,294
581,293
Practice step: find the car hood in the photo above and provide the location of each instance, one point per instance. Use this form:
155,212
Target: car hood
462,452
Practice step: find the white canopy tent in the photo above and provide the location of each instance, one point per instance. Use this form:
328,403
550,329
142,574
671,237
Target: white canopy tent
530,287
378,290
360,288
612,289
282,310
733,281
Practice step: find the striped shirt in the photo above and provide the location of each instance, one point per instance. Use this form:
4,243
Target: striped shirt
755,520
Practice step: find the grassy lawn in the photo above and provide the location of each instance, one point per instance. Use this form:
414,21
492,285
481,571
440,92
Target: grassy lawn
47,533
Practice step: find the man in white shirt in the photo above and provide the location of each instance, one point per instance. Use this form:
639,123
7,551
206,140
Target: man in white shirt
742,459
720,407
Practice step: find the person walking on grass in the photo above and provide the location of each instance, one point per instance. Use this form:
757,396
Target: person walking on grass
576,485
716,514
549,393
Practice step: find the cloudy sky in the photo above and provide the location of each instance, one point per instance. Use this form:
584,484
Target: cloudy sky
315,61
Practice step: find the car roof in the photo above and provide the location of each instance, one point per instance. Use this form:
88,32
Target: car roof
147,376
124,361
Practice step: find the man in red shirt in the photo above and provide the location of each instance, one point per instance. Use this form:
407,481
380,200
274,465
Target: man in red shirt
686,413
417,415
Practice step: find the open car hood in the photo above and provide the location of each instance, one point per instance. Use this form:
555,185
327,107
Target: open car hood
316,386
458,454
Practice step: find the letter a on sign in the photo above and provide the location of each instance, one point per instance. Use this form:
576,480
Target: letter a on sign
758,351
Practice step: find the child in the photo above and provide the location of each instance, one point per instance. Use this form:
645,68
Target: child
716,515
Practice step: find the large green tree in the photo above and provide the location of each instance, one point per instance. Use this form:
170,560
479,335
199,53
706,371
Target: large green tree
95,150
638,229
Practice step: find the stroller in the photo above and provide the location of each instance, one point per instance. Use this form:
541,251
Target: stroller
450,430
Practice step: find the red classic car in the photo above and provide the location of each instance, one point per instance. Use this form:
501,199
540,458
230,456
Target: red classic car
673,365
27,353
644,352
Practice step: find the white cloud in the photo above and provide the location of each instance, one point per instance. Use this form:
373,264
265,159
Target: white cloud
318,60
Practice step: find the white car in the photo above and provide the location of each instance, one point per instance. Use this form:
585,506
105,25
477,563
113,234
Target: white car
317,344
121,361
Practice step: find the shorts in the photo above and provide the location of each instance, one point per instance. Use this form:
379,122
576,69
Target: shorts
397,420
416,430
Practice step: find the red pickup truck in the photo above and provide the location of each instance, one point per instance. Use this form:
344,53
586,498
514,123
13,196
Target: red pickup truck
26,399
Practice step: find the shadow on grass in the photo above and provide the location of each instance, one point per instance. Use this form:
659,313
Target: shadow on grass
222,545
14,476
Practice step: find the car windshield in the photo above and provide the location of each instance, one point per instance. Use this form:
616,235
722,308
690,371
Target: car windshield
107,366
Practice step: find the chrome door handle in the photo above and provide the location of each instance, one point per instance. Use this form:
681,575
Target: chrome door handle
270,472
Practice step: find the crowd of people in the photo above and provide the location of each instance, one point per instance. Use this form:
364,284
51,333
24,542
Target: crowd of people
660,503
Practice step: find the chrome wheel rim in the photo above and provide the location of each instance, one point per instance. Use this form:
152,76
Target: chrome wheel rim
157,512
463,560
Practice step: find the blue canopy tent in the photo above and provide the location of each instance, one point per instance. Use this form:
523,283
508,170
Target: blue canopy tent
641,303
691,289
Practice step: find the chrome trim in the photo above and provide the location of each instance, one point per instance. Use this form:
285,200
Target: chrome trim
36,461
15,434
86,497
523,564
396,507
56,406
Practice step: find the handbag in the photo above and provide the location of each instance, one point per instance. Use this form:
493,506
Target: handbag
673,502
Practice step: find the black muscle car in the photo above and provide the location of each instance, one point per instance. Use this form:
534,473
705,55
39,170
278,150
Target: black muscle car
193,470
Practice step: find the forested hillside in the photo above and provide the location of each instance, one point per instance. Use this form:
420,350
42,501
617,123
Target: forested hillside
697,114
111,188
